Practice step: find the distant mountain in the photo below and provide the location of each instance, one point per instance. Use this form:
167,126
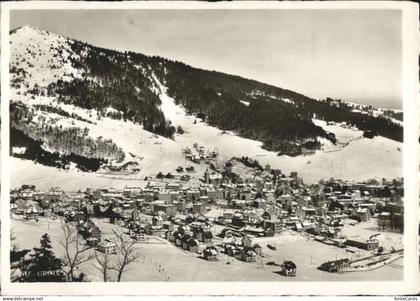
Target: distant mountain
66,93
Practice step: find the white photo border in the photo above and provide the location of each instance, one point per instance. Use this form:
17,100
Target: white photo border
410,89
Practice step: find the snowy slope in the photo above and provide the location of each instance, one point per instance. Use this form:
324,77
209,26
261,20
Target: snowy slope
43,56
353,158
357,158
45,60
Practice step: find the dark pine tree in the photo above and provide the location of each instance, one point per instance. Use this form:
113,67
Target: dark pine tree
44,266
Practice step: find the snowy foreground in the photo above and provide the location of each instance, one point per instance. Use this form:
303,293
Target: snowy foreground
186,266
355,158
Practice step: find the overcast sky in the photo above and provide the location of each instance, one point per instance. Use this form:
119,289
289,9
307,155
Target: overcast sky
354,55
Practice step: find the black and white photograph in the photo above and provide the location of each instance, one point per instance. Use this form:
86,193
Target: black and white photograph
189,145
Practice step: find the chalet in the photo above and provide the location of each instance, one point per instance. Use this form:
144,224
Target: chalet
377,190
306,212
267,195
20,204
231,235
267,216
138,234
298,226
168,225
184,230
335,266
135,214
126,214
211,177
198,207
307,224
107,247
238,219
260,203
44,204
164,196
363,214
201,232
369,244
246,241
248,254
170,236
55,194
178,238
132,190
288,268
77,217
108,194
192,194
173,186
180,206
169,209
246,195
207,237
13,207
255,231
90,209
210,253
215,194
129,204
157,221
290,224
242,204
227,215
155,230
26,194
189,243
193,245
394,207
230,249
31,213
92,241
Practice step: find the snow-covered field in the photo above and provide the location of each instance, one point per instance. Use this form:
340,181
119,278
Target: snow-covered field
185,266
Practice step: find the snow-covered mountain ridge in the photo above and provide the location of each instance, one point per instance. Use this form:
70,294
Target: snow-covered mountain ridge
64,98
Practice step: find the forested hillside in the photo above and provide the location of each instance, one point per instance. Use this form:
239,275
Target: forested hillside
83,84
53,145
277,113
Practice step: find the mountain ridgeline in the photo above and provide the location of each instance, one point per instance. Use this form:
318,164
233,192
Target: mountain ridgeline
252,109
125,86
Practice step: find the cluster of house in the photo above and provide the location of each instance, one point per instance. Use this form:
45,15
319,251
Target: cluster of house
198,153
259,202
241,248
190,236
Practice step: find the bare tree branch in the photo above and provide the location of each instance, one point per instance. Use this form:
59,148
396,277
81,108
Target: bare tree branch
104,265
127,254
75,254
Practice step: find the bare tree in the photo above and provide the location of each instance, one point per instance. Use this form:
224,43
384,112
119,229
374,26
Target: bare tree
104,265
75,253
127,254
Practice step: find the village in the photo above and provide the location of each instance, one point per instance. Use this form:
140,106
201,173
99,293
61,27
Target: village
237,214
